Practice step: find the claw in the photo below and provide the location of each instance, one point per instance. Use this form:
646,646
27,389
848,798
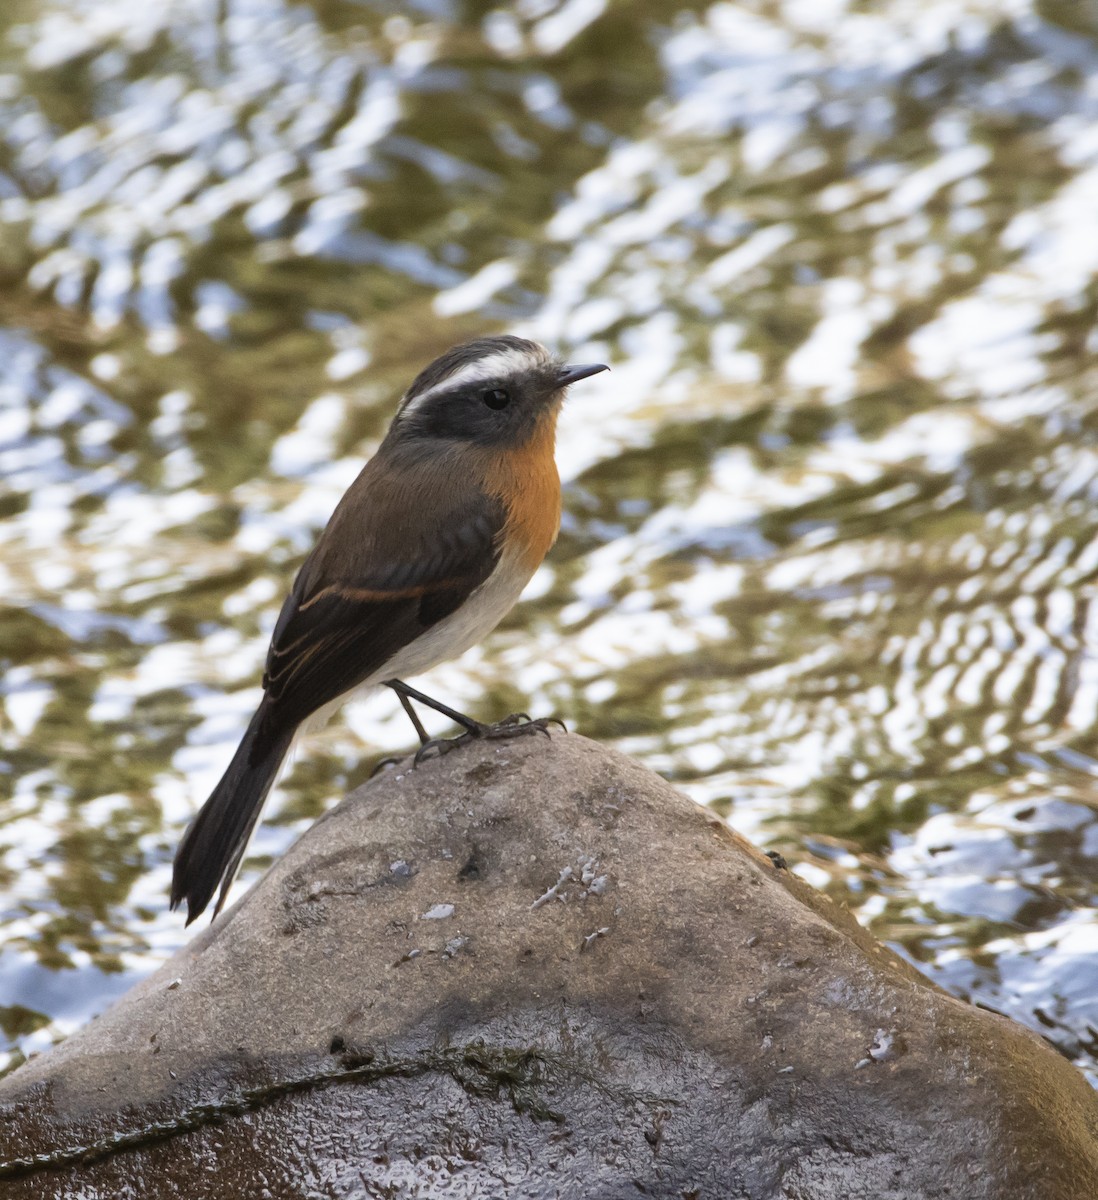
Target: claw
441,745
513,725
523,720
381,764
519,723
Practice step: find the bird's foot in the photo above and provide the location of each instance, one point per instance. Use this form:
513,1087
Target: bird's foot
383,764
515,725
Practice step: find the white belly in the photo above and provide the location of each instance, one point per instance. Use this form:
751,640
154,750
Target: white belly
452,636
474,620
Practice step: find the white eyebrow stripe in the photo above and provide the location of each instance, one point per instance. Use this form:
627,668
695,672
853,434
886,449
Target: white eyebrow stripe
494,366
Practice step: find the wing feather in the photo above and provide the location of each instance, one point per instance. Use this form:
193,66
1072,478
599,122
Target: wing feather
351,610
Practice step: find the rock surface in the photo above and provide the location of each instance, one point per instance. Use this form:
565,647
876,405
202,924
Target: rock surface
533,969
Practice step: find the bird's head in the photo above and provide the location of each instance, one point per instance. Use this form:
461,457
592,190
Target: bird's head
495,391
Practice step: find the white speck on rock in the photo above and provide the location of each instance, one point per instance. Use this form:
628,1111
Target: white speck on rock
554,891
884,1046
588,938
438,912
454,946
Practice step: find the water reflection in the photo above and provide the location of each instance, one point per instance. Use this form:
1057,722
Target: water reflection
829,552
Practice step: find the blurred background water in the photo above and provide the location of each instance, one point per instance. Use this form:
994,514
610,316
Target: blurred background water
831,541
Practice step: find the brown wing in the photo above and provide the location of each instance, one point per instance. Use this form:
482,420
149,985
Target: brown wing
376,581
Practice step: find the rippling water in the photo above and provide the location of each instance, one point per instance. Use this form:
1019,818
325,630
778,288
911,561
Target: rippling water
831,543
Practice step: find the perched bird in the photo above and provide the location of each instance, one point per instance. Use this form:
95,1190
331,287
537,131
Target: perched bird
427,551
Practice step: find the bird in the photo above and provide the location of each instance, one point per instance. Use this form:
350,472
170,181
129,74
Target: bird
426,552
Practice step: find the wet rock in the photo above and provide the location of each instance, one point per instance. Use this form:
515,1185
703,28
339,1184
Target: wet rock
534,969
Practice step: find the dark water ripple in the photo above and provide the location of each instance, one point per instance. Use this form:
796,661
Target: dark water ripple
829,558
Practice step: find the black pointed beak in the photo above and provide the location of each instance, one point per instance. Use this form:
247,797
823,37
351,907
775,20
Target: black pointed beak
574,373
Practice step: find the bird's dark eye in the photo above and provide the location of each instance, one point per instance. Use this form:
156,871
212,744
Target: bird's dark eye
496,398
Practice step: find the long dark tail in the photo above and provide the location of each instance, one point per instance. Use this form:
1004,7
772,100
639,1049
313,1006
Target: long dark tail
214,843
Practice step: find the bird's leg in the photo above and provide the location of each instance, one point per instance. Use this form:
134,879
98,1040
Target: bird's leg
513,725
406,694
413,716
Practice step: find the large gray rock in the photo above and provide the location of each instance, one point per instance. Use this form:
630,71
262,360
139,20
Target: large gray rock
532,969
